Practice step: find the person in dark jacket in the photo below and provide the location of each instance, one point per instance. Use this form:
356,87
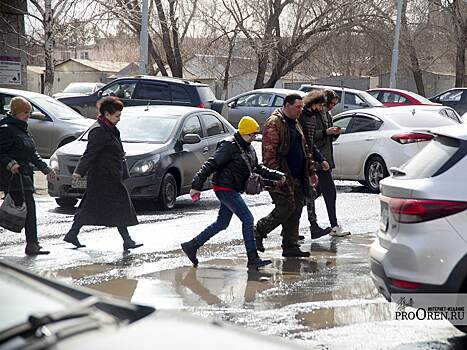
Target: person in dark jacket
325,135
106,201
313,103
231,171
18,156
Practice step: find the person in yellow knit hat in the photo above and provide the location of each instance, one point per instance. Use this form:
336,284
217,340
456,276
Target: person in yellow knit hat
232,163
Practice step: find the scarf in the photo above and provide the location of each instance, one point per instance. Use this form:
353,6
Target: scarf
106,122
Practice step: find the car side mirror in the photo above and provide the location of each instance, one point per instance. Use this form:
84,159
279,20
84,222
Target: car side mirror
191,139
233,104
39,116
99,94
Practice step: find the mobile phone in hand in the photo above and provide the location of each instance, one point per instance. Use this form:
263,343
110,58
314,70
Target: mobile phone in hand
195,197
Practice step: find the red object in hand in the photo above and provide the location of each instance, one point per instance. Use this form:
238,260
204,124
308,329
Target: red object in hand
195,197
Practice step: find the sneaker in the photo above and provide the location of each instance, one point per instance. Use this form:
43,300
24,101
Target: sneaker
337,231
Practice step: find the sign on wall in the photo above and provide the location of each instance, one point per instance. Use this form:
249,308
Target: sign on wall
10,70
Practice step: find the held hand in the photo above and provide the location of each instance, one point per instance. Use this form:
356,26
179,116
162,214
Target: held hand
282,181
193,192
314,180
195,195
330,131
52,175
15,169
75,177
337,131
325,166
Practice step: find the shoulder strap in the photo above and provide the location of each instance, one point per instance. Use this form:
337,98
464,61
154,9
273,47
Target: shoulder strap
244,157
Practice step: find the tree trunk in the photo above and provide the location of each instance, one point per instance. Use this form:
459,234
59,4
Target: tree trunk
461,78
225,83
48,47
262,66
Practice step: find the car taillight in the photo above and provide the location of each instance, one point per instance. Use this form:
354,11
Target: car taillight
404,284
410,211
411,137
200,105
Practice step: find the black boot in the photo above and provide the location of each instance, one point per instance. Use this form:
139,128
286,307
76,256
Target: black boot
128,243
190,248
259,241
317,232
35,249
294,252
72,237
301,237
254,261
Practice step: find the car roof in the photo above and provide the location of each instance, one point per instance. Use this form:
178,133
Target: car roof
22,93
162,78
279,91
456,131
401,91
330,87
163,110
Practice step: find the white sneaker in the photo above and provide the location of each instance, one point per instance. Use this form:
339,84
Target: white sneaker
337,231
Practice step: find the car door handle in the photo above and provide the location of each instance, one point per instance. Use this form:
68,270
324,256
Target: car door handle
262,112
205,149
371,138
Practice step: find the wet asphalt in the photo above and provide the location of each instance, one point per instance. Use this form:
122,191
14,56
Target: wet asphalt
326,301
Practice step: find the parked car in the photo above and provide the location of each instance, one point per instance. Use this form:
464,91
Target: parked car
40,313
422,241
79,88
149,90
348,98
52,124
455,98
398,97
165,146
258,104
376,139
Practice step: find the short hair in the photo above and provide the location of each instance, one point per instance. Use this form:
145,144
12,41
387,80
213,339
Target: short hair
291,98
331,95
109,104
314,97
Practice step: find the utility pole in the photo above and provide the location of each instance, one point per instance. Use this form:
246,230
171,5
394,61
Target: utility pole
143,39
395,49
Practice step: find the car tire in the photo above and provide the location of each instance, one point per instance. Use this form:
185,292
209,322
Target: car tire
66,202
167,193
362,182
375,171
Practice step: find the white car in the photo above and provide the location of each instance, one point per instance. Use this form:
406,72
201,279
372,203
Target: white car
421,246
376,139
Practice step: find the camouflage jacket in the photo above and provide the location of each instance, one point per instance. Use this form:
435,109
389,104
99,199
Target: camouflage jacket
276,145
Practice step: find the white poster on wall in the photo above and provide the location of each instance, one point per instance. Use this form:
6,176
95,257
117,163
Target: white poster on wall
10,70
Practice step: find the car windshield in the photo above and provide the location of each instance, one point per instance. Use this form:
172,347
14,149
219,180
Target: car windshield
80,88
144,129
18,300
373,102
57,108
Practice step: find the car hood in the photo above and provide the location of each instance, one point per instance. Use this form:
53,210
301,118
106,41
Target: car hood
68,94
77,148
80,122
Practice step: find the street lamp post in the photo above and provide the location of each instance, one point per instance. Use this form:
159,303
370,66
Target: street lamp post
143,38
395,49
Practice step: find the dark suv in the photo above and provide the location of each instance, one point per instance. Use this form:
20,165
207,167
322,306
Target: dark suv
149,90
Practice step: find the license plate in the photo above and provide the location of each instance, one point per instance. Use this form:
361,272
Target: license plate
81,183
384,219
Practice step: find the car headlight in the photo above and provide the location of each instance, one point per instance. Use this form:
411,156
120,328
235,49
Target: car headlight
53,163
145,166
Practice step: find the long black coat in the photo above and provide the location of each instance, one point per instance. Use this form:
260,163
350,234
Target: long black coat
17,145
106,201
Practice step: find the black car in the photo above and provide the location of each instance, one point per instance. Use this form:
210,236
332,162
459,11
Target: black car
39,313
165,146
149,90
455,98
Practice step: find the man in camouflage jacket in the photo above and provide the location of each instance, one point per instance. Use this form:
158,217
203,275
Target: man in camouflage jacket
284,149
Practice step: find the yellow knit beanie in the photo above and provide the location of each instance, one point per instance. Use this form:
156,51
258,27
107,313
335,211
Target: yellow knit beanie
248,125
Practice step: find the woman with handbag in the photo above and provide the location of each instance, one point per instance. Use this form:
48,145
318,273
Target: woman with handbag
235,166
106,201
18,156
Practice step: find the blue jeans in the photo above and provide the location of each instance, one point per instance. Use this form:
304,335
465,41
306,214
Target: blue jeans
231,203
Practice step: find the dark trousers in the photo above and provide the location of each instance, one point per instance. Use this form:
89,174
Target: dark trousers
30,227
123,230
287,212
231,203
327,188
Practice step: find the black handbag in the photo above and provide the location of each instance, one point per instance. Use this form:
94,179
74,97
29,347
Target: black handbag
253,184
13,217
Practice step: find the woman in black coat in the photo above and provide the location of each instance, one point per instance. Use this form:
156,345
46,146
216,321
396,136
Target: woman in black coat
106,201
18,156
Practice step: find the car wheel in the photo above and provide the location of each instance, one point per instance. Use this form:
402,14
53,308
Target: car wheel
66,202
167,193
375,171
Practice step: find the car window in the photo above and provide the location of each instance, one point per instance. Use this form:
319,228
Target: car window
278,101
192,126
205,94
179,94
80,87
374,93
451,114
394,98
352,99
254,100
342,122
152,91
451,96
213,125
56,108
362,124
5,101
121,89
